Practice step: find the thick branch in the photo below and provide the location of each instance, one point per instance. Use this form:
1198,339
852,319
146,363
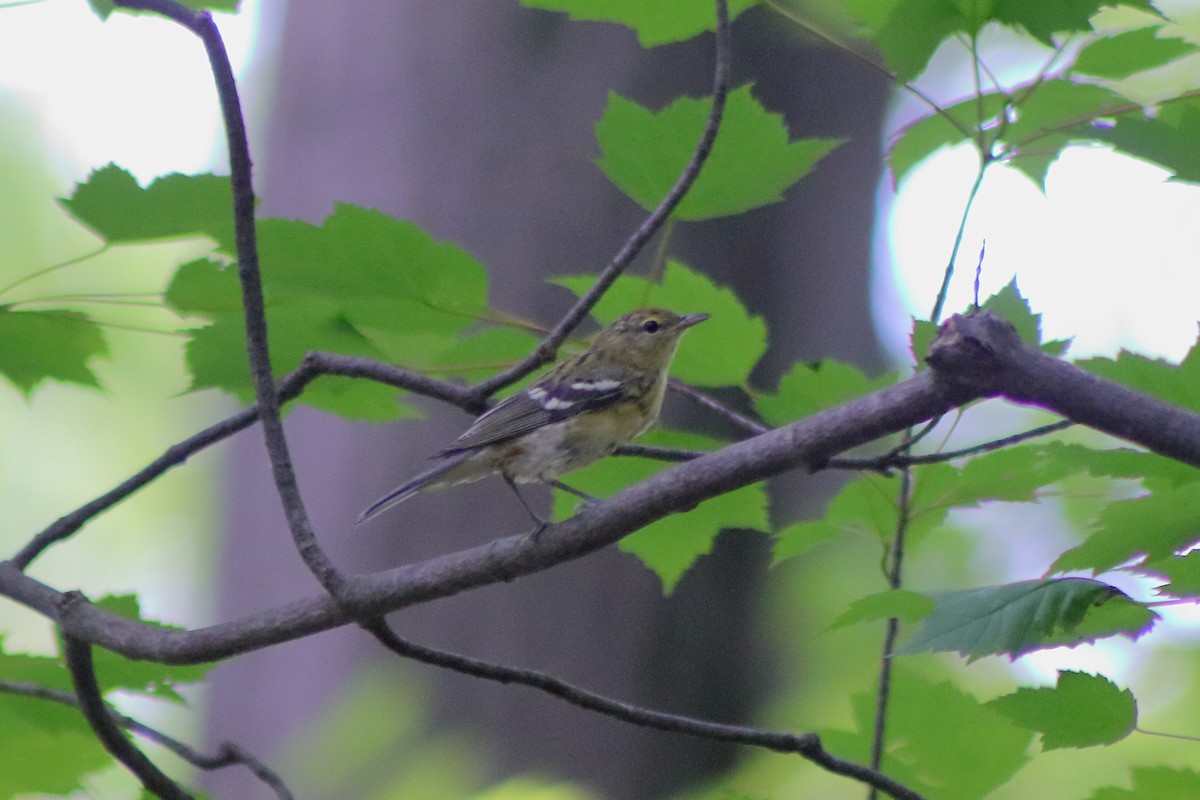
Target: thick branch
807,444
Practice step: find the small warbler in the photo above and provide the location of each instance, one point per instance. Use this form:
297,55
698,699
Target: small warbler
578,412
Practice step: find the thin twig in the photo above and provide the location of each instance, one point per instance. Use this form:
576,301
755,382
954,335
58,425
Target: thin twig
290,387
895,579
227,754
546,350
78,655
807,745
253,305
893,459
713,404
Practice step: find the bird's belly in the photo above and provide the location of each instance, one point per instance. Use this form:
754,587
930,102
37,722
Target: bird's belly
568,445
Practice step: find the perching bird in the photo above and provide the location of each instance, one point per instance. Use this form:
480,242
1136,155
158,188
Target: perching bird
578,412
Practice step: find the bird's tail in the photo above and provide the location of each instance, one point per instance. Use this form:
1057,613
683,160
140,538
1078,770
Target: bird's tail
429,477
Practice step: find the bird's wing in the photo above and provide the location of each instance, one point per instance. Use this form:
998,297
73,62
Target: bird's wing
549,400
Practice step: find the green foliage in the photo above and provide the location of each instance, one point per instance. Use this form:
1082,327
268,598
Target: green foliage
934,736
1081,711
103,8
672,544
48,345
1029,615
751,165
364,284
1155,783
661,22
111,203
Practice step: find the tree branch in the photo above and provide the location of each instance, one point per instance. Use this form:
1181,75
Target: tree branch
807,745
314,365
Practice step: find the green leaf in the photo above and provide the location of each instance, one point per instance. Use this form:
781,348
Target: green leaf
1155,525
1168,138
808,388
204,287
1124,54
1052,104
1083,710
865,506
112,204
1042,19
934,731
1178,384
751,165
103,8
1182,574
352,398
1019,618
1155,783
142,677
922,336
1012,305
1121,462
926,136
48,345
659,22
913,31
672,544
719,352
902,604
481,353
1012,475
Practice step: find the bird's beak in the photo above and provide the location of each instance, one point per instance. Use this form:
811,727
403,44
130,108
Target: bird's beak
692,319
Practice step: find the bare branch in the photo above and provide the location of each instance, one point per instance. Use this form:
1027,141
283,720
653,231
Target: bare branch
894,458
807,745
748,425
290,387
78,655
227,754
546,351
253,305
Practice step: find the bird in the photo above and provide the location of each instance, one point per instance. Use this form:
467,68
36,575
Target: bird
579,411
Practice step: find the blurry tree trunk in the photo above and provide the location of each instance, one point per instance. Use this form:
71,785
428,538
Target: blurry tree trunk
474,120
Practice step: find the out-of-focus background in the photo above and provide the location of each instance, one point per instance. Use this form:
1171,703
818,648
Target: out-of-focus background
475,121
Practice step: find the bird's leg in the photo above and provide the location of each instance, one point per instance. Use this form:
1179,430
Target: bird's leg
588,499
537,520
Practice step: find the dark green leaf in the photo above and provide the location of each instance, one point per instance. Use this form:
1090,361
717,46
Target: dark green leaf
956,124
1054,104
1081,711
905,605
1155,783
1019,618
48,345
481,353
1168,138
672,544
719,352
933,742
659,22
1124,54
914,30
1156,526
204,287
808,388
1011,474
112,204
1043,19
751,165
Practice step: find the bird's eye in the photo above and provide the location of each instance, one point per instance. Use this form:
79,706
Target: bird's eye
651,326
